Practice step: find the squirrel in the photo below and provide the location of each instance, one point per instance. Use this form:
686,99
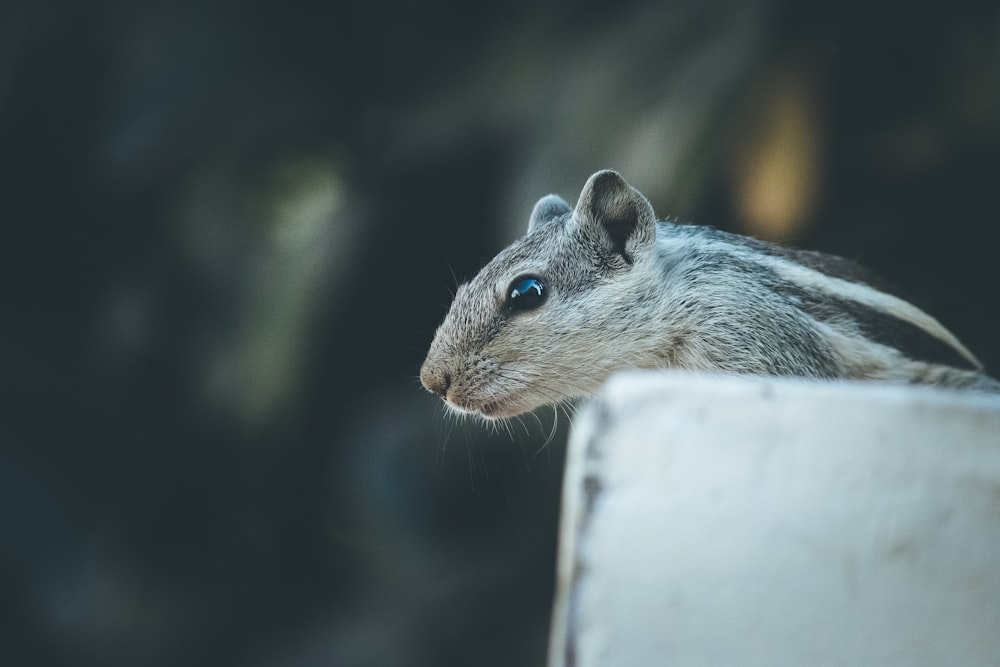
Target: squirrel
604,287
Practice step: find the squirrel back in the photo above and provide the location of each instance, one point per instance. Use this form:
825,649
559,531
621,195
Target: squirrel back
604,287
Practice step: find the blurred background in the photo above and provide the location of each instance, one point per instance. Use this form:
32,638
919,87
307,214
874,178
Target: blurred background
230,229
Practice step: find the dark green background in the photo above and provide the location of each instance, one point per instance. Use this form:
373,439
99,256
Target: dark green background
213,446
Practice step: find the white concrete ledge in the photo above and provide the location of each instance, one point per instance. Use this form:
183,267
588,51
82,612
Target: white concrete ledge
727,521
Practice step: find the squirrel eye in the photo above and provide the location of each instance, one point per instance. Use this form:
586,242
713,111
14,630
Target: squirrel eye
525,293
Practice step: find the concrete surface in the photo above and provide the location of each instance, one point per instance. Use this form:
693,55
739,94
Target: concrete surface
735,521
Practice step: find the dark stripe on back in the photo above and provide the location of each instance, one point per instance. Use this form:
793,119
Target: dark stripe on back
839,267
830,265
881,327
913,341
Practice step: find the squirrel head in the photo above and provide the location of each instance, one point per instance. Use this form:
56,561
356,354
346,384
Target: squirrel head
541,322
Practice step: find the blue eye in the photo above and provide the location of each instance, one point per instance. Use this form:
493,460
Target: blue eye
525,293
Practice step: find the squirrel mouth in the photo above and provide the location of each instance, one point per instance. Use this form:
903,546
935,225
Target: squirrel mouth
491,410
487,409
499,410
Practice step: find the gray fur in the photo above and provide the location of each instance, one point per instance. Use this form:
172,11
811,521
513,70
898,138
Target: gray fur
625,291
547,209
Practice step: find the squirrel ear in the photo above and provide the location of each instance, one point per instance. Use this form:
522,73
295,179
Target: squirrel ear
611,207
547,208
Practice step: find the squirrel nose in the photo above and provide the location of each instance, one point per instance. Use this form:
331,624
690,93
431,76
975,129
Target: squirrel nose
435,382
